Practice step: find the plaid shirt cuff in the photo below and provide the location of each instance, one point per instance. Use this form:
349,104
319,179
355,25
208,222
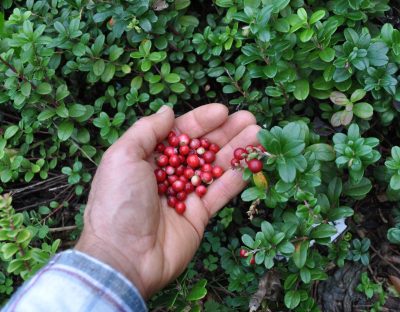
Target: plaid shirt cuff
74,281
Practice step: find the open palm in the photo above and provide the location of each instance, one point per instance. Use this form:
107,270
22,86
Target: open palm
128,225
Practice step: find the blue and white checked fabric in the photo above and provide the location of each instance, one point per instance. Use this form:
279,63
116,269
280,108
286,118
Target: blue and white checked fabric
74,281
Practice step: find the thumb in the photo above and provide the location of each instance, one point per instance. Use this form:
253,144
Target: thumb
144,135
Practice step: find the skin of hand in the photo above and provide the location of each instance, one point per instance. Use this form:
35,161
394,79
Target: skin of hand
129,226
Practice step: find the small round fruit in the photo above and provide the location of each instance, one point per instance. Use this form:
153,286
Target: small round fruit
207,177
160,174
180,170
174,161
173,141
194,144
183,139
200,151
239,153
160,147
249,149
217,172
235,163
252,261
193,161
209,157
171,134
255,165
195,180
201,190
181,196
243,253
169,151
207,168
172,179
205,143
189,188
178,186
162,160
162,188
188,173
172,201
170,191
183,179
214,148
180,207
184,150
261,148
170,170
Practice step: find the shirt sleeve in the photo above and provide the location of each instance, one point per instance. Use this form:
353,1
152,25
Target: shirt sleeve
74,281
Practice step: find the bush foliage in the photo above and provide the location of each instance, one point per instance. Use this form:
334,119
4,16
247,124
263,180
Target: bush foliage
321,77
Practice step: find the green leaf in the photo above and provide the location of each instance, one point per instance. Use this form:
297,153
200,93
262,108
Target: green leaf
99,67
253,193
363,110
339,98
248,240
395,182
198,291
267,230
62,92
323,231
305,275
300,254
172,78
108,73
65,130
77,110
322,151
357,95
181,4
44,88
316,16
286,248
26,88
339,213
287,171
178,87
292,299
9,249
115,52
358,190
302,89
306,35
327,55
46,114
23,236
11,131
302,14
393,235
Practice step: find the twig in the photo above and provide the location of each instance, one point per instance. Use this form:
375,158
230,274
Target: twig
384,260
63,228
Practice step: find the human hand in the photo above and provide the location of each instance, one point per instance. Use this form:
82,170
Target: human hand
127,224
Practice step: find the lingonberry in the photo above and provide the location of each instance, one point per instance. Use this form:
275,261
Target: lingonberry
201,190
193,161
194,144
207,177
202,162
235,162
249,149
195,180
162,188
171,134
217,172
200,151
188,173
162,160
252,260
205,143
171,201
239,153
207,168
214,148
189,188
243,253
178,186
183,179
174,161
160,147
173,141
182,159
181,196
180,207
255,165
184,150
169,151
183,139
209,157
170,170
261,148
170,191
172,179
180,170
160,174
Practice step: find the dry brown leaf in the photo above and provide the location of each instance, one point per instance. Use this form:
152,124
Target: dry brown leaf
269,287
396,282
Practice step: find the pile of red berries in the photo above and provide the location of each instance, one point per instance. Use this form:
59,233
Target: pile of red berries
185,166
251,156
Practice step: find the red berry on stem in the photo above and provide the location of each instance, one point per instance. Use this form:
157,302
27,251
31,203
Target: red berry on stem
170,170
252,260
201,190
188,173
249,149
195,180
162,160
209,157
235,163
261,148
160,147
178,186
243,253
183,139
174,161
214,148
184,150
169,151
207,168
173,141
255,165
180,207
217,172
160,174
171,201
239,153
162,188
194,144
207,177
181,196
193,161
205,143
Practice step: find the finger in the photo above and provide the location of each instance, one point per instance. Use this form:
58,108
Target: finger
142,137
202,120
231,183
232,127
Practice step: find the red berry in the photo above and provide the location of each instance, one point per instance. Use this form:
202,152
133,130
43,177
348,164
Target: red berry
170,170
243,253
194,144
162,188
174,161
188,173
217,172
235,162
184,150
169,151
238,153
195,180
160,147
171,134
193,161
160,174
183,179
255,165
201,190
261,148
249,149
180,207
252,260
180,170
173,141
209,157
207,168
207,177
189,188
181,196
171,201
202,162
214,148
178,186
183,139
170,191
172,179
200,151
162,160
182,159
205,143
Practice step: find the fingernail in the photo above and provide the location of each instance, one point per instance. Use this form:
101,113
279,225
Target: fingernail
162,109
